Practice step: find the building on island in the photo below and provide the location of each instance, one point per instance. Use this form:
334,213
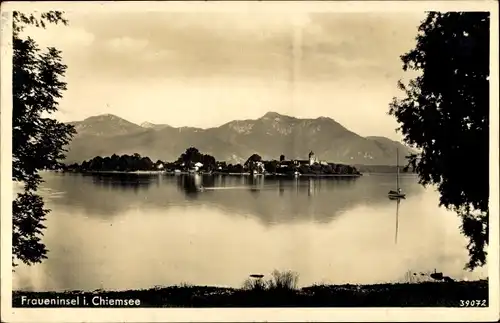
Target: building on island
312,158
299,162
197,166
260,167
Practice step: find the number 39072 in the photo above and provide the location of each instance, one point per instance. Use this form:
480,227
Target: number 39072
473,303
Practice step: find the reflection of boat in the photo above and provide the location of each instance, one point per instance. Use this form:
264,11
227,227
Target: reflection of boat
397,194
397,221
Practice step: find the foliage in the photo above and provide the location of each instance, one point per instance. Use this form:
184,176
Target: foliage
37,142
304,169
426,294
238,168
315,168
254,158
271,166
279,281
328,169
286,280
254,284
124,163
192,156
445,113
29,214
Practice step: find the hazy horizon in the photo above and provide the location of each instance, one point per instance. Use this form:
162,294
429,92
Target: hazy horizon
204,69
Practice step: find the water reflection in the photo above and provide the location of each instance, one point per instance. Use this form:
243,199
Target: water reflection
137,232
123,182
271,200
190,185
397,221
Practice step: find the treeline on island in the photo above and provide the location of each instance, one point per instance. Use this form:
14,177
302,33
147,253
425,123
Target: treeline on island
192,160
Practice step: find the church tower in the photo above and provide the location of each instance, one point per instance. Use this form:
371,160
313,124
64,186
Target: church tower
312,158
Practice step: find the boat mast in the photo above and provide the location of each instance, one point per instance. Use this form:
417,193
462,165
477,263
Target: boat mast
397,166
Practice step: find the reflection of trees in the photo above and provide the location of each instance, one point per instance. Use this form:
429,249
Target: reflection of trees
271,200
122,181
289,199
106,195
188,185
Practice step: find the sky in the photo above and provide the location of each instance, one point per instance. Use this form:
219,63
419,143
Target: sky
203,69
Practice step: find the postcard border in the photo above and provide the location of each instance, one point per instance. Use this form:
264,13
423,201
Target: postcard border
225,315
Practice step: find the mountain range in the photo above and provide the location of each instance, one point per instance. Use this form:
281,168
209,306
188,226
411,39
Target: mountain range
269,136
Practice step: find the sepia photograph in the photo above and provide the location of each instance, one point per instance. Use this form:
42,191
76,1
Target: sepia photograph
250,159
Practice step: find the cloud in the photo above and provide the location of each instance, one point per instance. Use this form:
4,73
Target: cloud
248,44
65,38
240,65
127,44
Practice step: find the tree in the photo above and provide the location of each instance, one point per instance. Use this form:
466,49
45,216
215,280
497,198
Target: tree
445,113
271,166
209,162
191,155
327,169
254,158
96,163
304,169
282,158
146,164
37,142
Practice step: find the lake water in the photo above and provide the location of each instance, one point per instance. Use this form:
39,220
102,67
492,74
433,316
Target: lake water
138,232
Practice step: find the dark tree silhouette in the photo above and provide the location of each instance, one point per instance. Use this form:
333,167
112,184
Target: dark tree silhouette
304,169
271,166
250,164
209,162
282,158
445,113
327,169
254,158
37,142
191,155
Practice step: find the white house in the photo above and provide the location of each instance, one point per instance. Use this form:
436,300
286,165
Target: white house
260,166
197,166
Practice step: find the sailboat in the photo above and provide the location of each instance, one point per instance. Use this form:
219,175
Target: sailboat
397,194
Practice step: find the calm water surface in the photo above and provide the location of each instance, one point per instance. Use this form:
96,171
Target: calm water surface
141,231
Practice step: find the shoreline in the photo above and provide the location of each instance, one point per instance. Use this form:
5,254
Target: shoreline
209,174
424,294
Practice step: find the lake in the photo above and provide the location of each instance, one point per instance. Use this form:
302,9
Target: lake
131,232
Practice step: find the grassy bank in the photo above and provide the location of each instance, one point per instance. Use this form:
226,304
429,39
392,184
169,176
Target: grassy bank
427,294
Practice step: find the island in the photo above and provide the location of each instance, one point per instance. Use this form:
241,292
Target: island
192,161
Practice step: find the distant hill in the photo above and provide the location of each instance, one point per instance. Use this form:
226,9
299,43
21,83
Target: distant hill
269,136
105,125
149,125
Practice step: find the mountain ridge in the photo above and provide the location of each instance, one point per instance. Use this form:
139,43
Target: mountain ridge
270,136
